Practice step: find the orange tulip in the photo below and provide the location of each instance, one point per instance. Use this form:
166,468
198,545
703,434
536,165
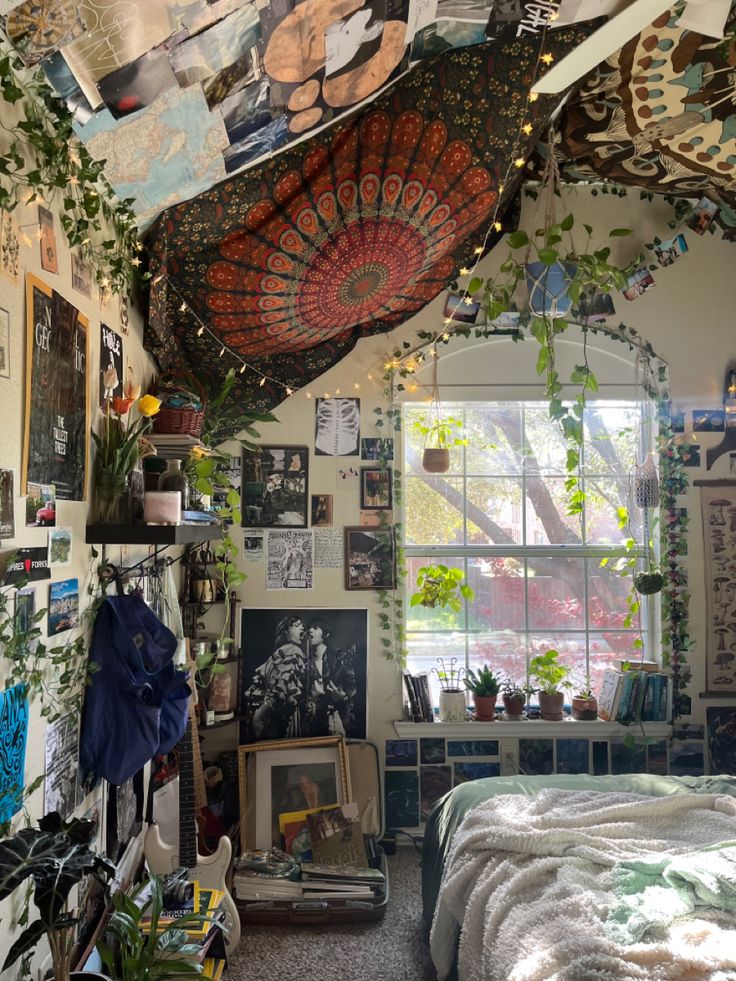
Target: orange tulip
121,406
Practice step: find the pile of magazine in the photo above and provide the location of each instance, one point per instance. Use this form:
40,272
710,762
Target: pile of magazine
194,898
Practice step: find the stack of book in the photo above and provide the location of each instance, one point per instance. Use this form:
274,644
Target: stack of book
204,901
253,887
419,695
640,694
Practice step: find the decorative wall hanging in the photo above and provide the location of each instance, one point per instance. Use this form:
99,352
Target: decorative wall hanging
56,439
350,233
13,738
718,505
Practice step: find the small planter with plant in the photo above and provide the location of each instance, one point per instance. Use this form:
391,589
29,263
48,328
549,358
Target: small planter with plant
551,680
514,698
484,686
441,585
439,433
585,703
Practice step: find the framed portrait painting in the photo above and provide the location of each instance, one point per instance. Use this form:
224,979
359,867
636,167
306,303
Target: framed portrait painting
369,558
274,487
375,488
287,776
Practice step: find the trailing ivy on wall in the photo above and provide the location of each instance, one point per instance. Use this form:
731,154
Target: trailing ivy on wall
43,161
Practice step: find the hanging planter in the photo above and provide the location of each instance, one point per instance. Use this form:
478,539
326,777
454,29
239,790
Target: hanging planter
649,582
439,433
435,459
548,286
646,484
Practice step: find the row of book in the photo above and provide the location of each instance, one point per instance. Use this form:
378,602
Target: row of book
635,695
420,697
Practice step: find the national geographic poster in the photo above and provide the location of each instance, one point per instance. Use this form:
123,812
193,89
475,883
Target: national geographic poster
56,441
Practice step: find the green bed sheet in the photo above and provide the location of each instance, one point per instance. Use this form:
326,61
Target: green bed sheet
452,808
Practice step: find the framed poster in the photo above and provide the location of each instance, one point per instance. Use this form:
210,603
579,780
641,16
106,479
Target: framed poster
56,435
14,729
274,487
375,488
304,673
718,507
369,558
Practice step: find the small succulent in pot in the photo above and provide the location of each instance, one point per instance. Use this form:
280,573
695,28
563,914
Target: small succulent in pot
585,703
484,685
514,698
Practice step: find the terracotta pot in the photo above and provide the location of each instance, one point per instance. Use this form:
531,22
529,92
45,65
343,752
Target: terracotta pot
435,460
584,709
485,706
551,706
514,706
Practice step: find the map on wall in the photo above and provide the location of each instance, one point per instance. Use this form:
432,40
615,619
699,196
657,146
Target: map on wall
56,438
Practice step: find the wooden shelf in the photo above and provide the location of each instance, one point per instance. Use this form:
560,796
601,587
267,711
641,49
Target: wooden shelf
151,534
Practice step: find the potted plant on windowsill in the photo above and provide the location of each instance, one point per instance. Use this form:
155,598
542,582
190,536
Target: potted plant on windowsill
441,585
514,699
484,686
552,678
584,703
56,856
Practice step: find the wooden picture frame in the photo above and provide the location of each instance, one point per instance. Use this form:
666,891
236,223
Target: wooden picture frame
297,772
370,558
275,487
376,488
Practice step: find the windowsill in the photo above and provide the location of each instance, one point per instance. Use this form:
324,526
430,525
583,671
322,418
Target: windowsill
530,729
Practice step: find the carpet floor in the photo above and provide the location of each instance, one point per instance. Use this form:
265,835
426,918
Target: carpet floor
390,950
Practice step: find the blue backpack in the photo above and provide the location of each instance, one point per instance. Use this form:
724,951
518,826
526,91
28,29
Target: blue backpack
136,702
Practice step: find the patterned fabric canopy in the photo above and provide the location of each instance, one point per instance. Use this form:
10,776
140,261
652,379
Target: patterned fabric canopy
350,233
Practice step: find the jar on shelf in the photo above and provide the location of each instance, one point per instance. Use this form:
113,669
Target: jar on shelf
174,479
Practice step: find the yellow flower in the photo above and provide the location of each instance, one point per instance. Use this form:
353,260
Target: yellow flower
149,405
199,452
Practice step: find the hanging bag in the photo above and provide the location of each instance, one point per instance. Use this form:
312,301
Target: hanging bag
136,701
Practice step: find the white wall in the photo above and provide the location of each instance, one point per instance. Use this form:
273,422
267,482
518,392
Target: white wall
688,319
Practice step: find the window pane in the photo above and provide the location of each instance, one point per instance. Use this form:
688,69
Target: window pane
423,651
556,593
546,450
494,438
603,496
499,594
607,594
503,651
547,521
612,437
494,511
431,618
434,511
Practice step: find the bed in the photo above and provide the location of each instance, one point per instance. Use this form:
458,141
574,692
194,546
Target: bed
462,912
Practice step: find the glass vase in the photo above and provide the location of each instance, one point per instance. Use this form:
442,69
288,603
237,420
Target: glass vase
174,479
110,499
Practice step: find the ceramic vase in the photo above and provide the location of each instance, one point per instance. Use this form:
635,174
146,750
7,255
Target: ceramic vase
452,705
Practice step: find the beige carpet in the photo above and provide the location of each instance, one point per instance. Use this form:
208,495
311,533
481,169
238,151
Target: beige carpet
391,950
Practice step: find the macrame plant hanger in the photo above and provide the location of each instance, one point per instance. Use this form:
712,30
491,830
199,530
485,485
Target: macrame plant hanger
435,459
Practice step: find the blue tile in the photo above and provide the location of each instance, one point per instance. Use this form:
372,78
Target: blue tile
402,799
572,756
432,750
464,772
472,747
401,752
536,756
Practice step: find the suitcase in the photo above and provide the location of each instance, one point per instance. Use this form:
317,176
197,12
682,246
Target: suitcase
365,777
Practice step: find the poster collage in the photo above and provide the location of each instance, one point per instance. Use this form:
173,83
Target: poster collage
242,78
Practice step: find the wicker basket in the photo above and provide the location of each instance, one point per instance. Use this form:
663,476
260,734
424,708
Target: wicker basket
173,420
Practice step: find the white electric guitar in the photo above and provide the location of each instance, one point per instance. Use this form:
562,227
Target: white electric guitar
209,870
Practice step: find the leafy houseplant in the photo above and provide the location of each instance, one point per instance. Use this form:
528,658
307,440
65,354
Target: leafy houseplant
551,677
514,698
56,856
439,433
134,950
648,581
484,685
441,585
584,703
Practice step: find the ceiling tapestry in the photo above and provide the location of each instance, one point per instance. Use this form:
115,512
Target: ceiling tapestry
350,233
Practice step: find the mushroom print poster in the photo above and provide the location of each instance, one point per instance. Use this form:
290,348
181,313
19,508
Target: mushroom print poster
718,504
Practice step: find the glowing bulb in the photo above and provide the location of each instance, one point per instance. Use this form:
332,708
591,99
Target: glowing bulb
222,351
183,307
478,249
289,391
497,225
133,262
387,366
533,96
412,387
27,240
337,391
356,386
262,382
200,331
500,188
554,16
519,162
308,395
242,370
467,301
157,279
327,395
448,320
445,336
547,58
465,271
527,128
370,378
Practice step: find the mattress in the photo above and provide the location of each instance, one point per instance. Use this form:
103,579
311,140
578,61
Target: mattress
450,810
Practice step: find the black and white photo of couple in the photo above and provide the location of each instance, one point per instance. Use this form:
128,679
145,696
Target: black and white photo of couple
304,673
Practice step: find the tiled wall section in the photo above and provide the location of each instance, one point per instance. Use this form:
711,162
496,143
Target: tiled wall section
419,771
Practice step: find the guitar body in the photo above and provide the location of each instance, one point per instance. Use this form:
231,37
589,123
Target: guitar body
210,871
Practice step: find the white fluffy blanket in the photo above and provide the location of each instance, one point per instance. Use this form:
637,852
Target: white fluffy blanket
528,886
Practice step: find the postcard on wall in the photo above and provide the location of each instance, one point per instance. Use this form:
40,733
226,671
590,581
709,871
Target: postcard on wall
377,448
7,504
289,560
37,29
81,276
328,548
60,546
321,510
56,438
4,343
638,283
702,216
337,427
28,563
124,314
14,729
62,761
670,251
40,505
253,546
111,365
49,252
63,606
722,739
10,247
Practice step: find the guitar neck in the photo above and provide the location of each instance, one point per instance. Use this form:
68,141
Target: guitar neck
187,827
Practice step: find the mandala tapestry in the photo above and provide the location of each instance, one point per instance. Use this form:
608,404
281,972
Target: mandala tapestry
351,233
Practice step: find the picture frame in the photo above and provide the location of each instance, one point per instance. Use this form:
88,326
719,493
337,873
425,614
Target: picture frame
376,489
370,558
287,775
275,487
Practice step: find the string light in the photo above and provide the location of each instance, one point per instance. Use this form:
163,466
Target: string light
478,250
497,226
242,368
222,351
201,331
308,395
519,162
464,271
533,96
183,308
547,58
356,386
527,128
289,391
262,382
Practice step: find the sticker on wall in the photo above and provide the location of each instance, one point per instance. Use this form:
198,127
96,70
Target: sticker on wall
63,606
81,276
328,548
401,752
337,427
402,799
321,510
7,504
28,563
9,247
289,560
49,252
13,740
4,343
60,546
40,505
111,365
61,764
722,739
